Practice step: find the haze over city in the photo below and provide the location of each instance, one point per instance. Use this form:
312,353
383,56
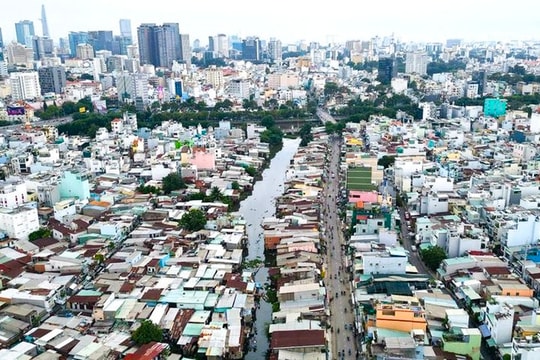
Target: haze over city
337,21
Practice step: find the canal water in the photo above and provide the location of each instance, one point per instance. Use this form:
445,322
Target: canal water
259,205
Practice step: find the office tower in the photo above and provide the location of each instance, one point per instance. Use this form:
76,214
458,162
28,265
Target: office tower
25,85
185,49
101,39
25,32
251,49
480,77
18,54
52,79
125,29
211,44
1,39
196,44
76,38
275,50
133,88
450,43
43,47
147,44
84,52
416,63
386,70
222,45
159,45
168,42
44,24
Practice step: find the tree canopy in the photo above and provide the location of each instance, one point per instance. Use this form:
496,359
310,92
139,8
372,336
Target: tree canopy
40,234
305,134
193,220
147,332
386,161
172,182
433,257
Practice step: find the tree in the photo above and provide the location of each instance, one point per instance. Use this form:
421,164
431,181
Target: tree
40,234
386,161
268,121
147,332
305,134
250,170
235,185
193,220
433,257
172,182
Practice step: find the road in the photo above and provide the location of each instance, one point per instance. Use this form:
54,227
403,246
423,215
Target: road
324,116
55,122
337,278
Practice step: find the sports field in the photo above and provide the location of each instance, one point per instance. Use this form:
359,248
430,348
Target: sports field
359,178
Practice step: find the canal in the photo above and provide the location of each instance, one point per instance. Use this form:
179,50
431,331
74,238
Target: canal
259,205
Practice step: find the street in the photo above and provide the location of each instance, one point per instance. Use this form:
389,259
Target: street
55,122
337,278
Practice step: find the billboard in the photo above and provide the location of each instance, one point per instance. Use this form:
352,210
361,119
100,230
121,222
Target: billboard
15,110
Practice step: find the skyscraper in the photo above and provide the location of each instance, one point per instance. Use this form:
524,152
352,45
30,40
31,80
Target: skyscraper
1,39
43,47
52,79
185,49
101,40
251,49
125,28
25,32
416,63
76,38
386,70
275,50
44,24
159,45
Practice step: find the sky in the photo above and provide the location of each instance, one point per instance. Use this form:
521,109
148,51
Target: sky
290,21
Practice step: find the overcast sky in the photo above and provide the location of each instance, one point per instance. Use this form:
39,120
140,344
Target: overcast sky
291,20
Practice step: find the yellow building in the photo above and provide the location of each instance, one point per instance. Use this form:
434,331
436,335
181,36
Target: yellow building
400,317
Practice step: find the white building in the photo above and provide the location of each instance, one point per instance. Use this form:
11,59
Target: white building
19,222
133,87
12,194
416,63
384,263
25,85
499,319
239,88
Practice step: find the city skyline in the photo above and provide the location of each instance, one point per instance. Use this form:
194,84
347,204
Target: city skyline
300,20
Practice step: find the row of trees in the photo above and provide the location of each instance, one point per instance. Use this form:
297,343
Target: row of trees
67,108
358,110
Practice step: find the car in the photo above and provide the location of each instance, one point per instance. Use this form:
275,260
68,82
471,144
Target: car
413,248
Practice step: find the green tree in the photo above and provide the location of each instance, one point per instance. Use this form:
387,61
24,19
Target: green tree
193,220
172,182
330,88
268,121
235,185
386,161
433,257
305,134
251,171
147,332
40,234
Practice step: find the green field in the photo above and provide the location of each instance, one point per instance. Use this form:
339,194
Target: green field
359,178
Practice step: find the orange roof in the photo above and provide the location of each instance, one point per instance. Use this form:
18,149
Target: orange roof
100,203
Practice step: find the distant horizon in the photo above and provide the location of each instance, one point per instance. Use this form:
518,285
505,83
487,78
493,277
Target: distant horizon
412,21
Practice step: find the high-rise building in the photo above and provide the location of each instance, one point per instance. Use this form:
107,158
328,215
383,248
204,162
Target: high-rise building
416,63
386,70
25,32
1,39
101,40
18,54
133,88
125,29
52,79
480,77
159,45
25,85
85,52
275,50
185,49
76,38
251,49
44,24
222,46
147,44
211,43
43,47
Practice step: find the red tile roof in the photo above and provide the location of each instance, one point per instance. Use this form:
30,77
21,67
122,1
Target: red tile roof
297,338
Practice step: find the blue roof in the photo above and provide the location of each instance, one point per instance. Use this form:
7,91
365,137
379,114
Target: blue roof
484,330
